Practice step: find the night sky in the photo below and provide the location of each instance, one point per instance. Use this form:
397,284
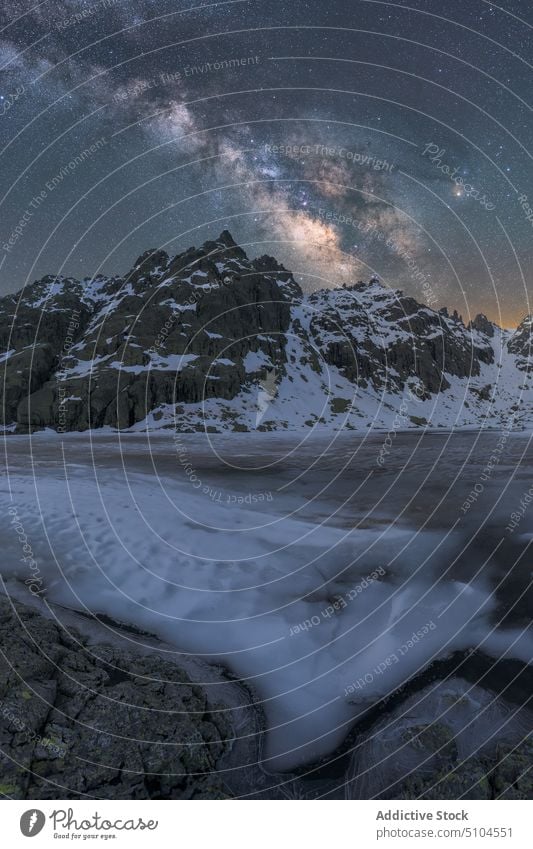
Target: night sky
348,138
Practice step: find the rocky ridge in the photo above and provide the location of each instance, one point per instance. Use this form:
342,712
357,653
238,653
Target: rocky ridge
212,339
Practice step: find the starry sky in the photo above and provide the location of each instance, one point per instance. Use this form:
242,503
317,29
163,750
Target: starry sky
348,138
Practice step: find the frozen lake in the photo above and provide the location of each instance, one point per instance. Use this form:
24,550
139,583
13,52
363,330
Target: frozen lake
325,571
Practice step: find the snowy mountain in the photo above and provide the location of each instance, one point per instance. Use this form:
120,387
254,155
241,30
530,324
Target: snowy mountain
212,339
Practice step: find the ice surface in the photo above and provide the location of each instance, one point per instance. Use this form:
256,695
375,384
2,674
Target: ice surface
236,566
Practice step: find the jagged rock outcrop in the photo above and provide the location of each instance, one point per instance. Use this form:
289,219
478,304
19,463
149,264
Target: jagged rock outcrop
482,323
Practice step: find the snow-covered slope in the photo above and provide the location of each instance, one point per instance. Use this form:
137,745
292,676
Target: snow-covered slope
212,339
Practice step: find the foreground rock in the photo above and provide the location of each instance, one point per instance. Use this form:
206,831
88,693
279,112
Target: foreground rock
82,720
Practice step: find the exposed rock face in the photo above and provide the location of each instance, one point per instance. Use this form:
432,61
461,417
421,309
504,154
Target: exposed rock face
189,341
82,721
172,331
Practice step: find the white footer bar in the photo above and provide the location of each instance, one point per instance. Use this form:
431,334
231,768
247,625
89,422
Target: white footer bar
268,824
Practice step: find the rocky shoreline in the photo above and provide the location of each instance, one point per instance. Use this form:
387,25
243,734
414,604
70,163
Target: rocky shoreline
81,716
90,708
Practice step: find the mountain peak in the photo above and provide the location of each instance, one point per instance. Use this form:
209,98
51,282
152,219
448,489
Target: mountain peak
219,325
483,324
